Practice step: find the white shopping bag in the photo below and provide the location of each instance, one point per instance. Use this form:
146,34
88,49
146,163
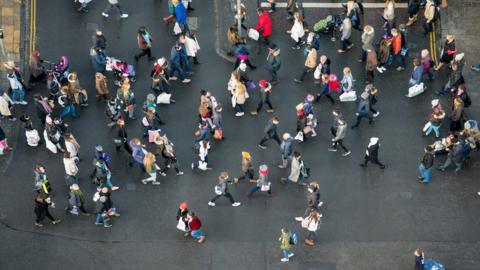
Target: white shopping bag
253,34
415,90
177,29
164,98
348,96
299,136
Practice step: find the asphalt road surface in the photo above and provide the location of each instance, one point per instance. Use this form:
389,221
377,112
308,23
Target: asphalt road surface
372,218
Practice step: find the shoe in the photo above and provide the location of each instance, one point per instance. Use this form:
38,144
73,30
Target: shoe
340,51
98,223
172,78
180,173
332,149
163,174
320,204
290,255
299,218
254,113
124,16
40,225
400,68
56,221
105,225
376,114
380,69
474,68
239,114
156,183
297,80
384,68
235,204
262,146
270,111
309,242
104,14
347,153
201,240
211,204
350,46
115,188
186,80
296,47
284,260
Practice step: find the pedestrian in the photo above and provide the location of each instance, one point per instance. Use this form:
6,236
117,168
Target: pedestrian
297,32
340,133
265,91
455,78
273,63
417,73
17,87
175,64
286,149
184,61
371,154
42,206
151,168
262,182
427,64
419,259
372,99
144,42
448,51
346,29
285,244
122,136
99,60
37,71
101,86
104,207
413,8
384,53
102,176
166,148
435,120
347,80
160,78
389,15
99,40
99,153
72,146
76,201
203,148
247,168
311,223
457,115
264,27
241,54
182,222
71,169
52,136
221,189
218,122
138,153
31,134
126,98
368,35
80,94
455,155
431,15
353,12
181,16
363,110
195,227
313,200
310,63
6,106
270,131
370,66
426,165
42,107
203,133
397,48
239,98
67,101
297,171
114,3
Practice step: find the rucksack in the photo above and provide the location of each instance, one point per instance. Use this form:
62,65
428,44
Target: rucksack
218,189
293,239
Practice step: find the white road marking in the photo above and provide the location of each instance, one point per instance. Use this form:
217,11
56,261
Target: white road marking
336,5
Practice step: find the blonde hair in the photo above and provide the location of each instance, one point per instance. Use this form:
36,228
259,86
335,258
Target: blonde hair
323,58
149,159
240,89
347,71
450,37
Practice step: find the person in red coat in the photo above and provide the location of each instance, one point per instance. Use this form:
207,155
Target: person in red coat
195,226
264,27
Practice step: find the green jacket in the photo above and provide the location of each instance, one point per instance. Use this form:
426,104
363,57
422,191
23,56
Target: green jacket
285,241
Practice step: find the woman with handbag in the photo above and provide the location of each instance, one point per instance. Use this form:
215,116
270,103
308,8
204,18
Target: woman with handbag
297,32
182,222
262,182
435,121
311,223
195,227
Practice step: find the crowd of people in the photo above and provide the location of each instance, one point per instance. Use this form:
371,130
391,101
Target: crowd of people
381,48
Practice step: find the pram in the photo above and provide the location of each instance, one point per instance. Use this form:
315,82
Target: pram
120,69
328,25
60,70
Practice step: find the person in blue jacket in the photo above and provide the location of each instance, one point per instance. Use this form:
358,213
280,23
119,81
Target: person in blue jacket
175,65
181,15
99,60
417,73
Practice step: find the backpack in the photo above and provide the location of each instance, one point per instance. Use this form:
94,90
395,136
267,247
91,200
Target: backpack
293,239
218,189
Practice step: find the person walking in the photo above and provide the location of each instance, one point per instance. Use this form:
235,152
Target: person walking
419,259
455,155
297,31
37,71
175,64
18,89
265,91
435,120
427,64
370,65
264,27
273,63
417,73
116,4
72,146
426,165
76,201
310,63
286,149
297,171
144,42
448,51
270,131
71,169
397,48
431,15
340,134
457,115
363,110
262,182
221,189
195,227
41,210
126,98
6,106
413,8
151,168
346,29
311,223
247,168
371,154
165,148
101,86
368,35
285,245
203,148
181,16
239,98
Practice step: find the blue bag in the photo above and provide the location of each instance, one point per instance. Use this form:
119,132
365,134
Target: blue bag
293,238
433,265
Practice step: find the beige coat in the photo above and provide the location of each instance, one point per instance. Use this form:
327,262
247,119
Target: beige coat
311,61
4,109
101,84
295,170
240,93
429,11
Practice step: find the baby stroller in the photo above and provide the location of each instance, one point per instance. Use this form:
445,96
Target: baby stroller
328,26
120,69
60,70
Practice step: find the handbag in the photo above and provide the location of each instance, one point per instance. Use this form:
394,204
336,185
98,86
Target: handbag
164,98
265,187
253,34
415,90
305,222
152,135
234,101
299,136
404,52
181,225
348,96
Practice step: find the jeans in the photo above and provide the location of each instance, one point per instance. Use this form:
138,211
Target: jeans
286,159
436,129
179,70
227,195
239,108
286,252
185,27
18,94
448,162
363,55
266,101
109,6
69,109
399,59
345,43
359,119
425,173
152,178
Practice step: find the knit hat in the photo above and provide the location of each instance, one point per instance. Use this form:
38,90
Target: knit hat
183,205
245,154
98,147
262,83
263,169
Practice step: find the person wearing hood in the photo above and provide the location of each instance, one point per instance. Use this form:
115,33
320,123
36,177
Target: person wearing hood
340,134
371,154
426,165
247,168
265,91
262,182
286,149
363,110
37,71
273,63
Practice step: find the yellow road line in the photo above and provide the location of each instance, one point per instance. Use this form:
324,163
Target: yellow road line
434,43
33,25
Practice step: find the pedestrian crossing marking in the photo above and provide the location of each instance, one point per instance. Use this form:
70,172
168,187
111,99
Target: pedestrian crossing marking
335,5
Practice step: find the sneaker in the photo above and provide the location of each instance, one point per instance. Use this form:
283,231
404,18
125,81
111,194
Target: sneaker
12,119
332,149
290,255
478,193
40,225
193,165
254,113
340,51
297,80
239,114
180,173
376,114
211,204
284,260
115,188
186,80
104,14
235,204
400,68
163,174
320,204
380,69
281,166
98,223
144,181
347,153
384,68
262,146
296,47
156,183
56,221
270,110
299,218
124,16
105,225
350,46
172,78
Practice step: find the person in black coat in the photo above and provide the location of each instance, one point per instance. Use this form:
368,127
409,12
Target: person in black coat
419,259
41,211
371,154
122,136
273,63
270,132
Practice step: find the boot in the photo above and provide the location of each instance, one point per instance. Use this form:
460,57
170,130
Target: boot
309,242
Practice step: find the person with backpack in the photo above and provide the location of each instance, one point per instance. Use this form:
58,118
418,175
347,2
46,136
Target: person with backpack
311,223
114,3
221,189
285,244
144,42
76,201
262,182
273,63
270,131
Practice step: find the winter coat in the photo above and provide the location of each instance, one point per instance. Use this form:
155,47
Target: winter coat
297,31
180,13
457,113
372,62
295,170
417,74
5,104
99,61
285,241
427,64
448,52
286,147
384,53
396,44
70,166
311,61
240,94
270,129
367,40
264,25
246,165
191,46
273,63
101,84
341,132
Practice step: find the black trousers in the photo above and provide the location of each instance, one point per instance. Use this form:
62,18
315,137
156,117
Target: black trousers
227,195
248,174
339,142
144,52
373,160
260,104
266,138
41,216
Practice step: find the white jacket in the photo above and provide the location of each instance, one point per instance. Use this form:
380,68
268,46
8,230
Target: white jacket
70,166
71,148
4,102
203,152
191,46
297,31
312,226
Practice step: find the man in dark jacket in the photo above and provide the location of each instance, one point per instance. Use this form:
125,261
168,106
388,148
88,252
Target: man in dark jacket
221,189
265,91
426,165
455,155
273,63
340,133
363,110
286,149
270,132
313,200
371,154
